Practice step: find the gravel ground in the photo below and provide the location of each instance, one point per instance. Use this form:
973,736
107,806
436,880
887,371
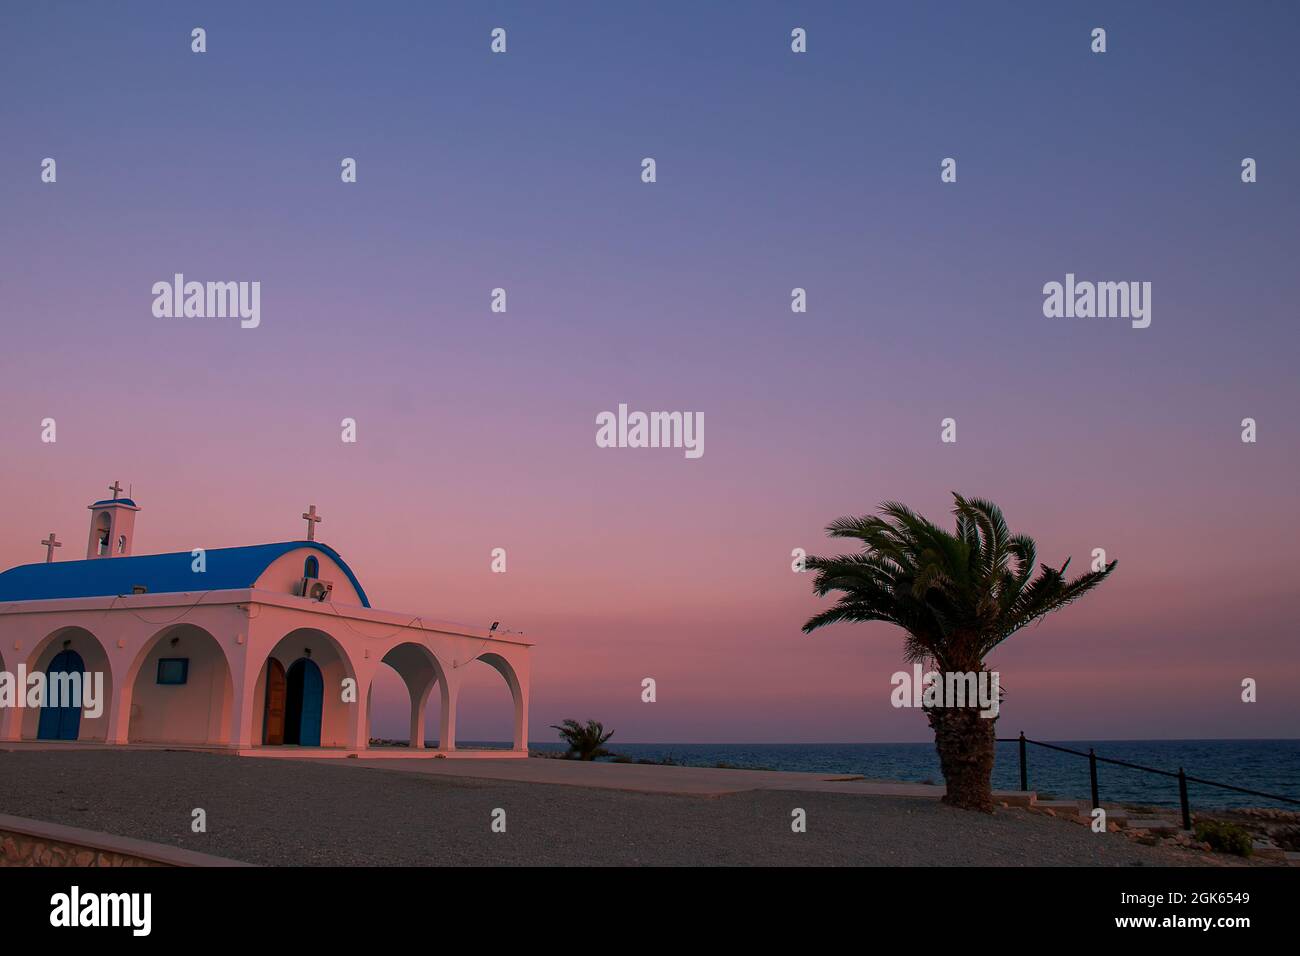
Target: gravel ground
303,813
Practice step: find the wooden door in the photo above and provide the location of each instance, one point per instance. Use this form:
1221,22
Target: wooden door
273,718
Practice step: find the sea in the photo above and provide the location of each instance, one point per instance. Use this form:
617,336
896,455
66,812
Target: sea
1269,766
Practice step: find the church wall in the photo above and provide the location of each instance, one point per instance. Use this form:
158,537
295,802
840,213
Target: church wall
284,575
194,712
337,716
109,641
259,706
126,645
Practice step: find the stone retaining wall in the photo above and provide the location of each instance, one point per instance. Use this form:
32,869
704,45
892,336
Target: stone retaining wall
23,849
25,842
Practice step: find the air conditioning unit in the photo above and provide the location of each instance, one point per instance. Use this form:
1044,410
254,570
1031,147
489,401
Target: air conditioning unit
316,589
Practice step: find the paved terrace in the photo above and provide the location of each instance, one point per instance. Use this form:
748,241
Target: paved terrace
651,778
439,812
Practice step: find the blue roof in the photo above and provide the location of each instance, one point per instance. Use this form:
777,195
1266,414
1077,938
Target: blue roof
115,501
228,569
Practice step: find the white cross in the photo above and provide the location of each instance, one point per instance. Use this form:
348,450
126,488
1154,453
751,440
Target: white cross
50,544
116,489
311,518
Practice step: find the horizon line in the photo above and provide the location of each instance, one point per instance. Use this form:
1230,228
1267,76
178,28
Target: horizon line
880,743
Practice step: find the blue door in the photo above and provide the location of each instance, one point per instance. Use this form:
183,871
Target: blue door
305,700
63,722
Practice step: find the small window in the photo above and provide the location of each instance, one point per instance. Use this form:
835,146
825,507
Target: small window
173,670
311,568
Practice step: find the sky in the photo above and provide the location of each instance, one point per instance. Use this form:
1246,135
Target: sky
775,170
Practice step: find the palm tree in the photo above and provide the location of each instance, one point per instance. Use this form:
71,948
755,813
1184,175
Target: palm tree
958,596
585,743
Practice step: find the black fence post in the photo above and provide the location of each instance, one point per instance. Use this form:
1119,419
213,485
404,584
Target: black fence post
1092,772
1024,769
1182,798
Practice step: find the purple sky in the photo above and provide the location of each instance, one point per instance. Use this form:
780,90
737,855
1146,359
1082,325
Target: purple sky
775,170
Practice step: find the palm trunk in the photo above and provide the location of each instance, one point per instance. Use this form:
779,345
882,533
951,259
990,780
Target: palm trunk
965,742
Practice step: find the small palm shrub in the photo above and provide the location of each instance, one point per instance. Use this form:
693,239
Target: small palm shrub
585,742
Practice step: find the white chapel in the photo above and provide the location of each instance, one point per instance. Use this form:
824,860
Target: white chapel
249,649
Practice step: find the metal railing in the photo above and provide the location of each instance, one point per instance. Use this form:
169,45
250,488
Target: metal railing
1093,760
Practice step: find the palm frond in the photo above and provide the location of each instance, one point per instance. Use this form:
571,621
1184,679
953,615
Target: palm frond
956,594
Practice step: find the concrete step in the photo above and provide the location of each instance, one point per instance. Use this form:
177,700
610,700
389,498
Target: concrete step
1115,815
1015,798
1066,809
1154,824
1080,811
1267,850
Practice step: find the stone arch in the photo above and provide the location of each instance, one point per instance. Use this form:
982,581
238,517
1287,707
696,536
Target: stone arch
421,672
198,711
335,664
96,661
517,694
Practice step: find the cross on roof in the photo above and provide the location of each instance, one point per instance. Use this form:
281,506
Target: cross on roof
50,544
116,488
311,517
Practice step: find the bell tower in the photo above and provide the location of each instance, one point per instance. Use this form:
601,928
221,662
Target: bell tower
112,526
